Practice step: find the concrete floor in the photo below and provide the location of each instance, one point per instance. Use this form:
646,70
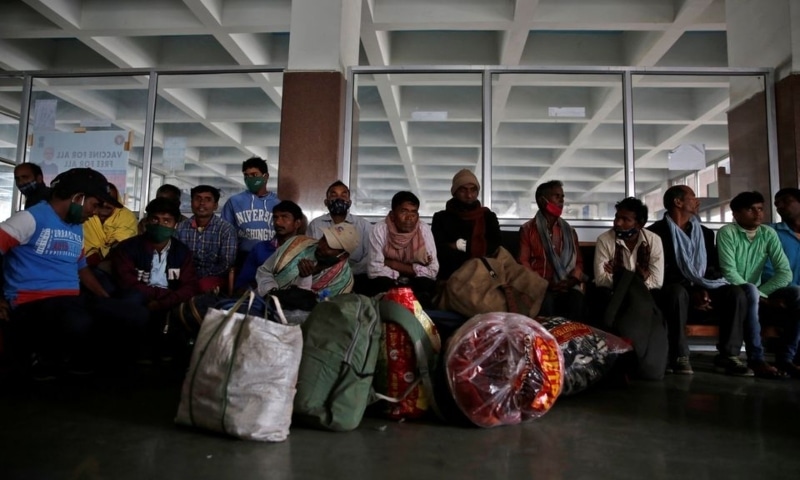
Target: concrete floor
706,426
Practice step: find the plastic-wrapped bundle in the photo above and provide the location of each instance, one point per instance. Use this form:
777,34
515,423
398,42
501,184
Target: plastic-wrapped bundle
503,369
589,353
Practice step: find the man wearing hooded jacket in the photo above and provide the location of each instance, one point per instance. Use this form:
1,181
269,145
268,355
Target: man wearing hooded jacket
250,212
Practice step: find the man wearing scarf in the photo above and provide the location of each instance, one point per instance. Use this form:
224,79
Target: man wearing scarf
402,251
337,201
693,283
465,229
549,246
320,266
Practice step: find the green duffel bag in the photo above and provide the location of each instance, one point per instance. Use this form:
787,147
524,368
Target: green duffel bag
341,341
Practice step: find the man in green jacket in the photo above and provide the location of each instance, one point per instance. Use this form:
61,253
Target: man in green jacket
744,247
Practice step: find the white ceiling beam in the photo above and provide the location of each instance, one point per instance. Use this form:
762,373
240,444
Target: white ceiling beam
648,55
376,46
64,13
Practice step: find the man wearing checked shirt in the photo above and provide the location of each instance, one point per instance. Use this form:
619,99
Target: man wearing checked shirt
211,239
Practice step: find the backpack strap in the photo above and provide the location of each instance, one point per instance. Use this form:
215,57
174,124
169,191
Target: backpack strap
423,348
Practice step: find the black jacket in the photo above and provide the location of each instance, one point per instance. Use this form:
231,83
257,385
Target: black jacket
447,227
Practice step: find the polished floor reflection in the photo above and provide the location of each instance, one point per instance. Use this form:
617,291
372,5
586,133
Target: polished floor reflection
705,426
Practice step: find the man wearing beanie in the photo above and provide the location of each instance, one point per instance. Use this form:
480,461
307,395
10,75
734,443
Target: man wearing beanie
464,229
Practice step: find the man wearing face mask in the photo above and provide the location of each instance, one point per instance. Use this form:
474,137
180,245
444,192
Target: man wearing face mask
44,266
337,200
30,181
625,302
627,246
549,246
465,229
250,212
154,272
320,266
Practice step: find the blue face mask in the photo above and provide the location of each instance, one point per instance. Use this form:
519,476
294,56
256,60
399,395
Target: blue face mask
626,234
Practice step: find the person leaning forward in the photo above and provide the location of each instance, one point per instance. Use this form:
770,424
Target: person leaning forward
693,283
43,267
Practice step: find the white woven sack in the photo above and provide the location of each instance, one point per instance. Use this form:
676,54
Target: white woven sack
242,375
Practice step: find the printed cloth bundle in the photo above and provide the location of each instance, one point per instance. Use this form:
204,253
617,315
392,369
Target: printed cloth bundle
589,353
503,369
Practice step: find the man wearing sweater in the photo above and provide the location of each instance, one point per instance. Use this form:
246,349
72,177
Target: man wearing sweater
744,247
250,212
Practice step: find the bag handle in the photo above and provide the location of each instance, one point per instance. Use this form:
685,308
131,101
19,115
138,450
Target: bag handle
279,310
492,273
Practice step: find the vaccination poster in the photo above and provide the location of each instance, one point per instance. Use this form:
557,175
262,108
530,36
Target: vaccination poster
104,151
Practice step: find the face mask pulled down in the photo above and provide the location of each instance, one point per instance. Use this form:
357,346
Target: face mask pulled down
626,234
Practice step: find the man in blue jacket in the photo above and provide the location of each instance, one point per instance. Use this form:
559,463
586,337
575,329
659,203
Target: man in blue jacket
250,212
787,202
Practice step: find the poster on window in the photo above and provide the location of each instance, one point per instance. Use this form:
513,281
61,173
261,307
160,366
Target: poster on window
103,151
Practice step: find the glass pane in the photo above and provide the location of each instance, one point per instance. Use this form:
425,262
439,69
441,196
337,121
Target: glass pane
413,132
10,100
681,137
6,190
95,122
557,127
207,125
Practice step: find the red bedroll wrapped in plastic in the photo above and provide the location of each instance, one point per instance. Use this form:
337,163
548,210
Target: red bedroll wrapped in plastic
503,369
397,363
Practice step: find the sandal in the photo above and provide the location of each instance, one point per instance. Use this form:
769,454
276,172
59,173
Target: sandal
762,369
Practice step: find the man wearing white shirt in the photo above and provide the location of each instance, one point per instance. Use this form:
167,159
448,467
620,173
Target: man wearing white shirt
628,306
402,251
337,200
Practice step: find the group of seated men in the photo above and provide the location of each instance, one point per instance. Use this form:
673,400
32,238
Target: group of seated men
76,265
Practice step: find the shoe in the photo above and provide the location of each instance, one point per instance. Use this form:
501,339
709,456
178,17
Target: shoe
732,365
43,372
791,369
762,369
681,366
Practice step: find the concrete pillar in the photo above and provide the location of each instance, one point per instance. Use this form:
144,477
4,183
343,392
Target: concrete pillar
763,34
324,41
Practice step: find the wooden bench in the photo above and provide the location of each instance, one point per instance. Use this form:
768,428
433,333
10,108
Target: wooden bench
705,330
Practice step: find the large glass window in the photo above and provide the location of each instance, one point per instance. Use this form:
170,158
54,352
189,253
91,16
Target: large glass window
95,122
684,134
10,101
206,125
557,127
413,132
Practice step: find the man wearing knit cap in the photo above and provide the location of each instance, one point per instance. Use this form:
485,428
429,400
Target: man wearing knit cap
464,229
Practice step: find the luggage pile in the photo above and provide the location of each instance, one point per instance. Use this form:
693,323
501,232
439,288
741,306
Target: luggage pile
252,373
